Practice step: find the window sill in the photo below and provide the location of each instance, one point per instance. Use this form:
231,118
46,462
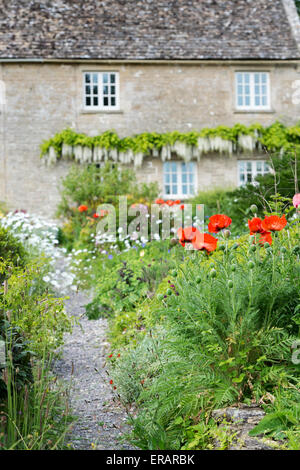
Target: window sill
254,111
101,111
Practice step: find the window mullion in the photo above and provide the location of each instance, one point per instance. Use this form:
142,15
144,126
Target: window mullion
100,80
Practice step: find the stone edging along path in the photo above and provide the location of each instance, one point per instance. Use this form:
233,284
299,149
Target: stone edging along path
100,419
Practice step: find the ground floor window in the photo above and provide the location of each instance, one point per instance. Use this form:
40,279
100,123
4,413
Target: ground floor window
179,179
248,170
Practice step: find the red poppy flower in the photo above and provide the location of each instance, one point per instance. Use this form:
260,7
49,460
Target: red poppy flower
170,203
255,225
111,382
274,223
218,222
96,216
204,241
82,208
177,202
187,234
110,355
265,237
159,201
182,207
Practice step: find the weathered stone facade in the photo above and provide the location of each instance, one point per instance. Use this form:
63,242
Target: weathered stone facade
42,99
176,61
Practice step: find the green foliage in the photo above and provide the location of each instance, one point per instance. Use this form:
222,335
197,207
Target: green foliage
274,138
125,282
92,186
39,316
11,250
214,344
32,324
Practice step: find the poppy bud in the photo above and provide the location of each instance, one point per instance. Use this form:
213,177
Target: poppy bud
213,273
198,279
233,267
173,241
251,264
222,247
169,291
230,284
253,209
253,248
226,233
174,273
160,296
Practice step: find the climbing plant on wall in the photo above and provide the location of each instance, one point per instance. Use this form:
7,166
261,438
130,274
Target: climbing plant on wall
70,144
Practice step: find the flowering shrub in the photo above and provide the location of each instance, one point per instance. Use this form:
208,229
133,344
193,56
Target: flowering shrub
40,236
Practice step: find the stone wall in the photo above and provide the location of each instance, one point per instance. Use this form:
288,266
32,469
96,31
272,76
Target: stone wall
42,99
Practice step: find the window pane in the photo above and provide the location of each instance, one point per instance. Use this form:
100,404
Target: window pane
184,189
87,78
95,101
88,101
167,189
174,189
112,78
174,166
266,167
105,101
113,90
113,101
105,78
95,78
258,166
95,90
105,90
87,90
184,177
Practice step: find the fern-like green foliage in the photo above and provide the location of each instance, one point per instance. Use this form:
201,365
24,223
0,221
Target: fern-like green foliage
213,344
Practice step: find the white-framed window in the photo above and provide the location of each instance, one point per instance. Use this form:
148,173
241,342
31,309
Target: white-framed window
101,90
252,90
248,170
179,179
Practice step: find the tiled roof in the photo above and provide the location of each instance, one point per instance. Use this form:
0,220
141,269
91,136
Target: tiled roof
146,29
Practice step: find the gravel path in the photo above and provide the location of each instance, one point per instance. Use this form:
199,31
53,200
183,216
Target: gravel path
100,419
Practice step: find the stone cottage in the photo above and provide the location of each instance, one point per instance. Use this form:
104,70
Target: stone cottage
142,66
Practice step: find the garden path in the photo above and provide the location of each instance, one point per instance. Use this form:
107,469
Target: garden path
101,420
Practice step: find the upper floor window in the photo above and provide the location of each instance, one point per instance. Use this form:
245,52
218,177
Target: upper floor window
101,90
249,170
252,91
179,179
